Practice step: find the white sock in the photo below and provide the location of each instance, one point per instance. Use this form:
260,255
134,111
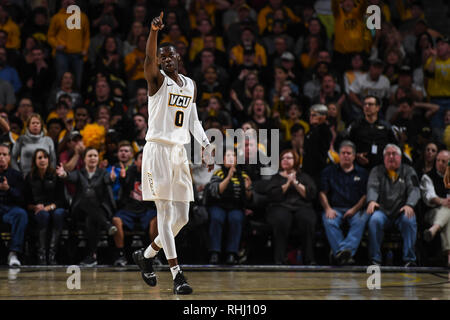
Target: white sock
174,271
150,252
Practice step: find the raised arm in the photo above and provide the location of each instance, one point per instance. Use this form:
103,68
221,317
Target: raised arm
151,69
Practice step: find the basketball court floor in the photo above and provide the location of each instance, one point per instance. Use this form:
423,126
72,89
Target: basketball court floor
226,283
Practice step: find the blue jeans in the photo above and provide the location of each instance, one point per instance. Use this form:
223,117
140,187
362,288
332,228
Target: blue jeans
69,62
42,218
335,235
379,221
235,220
18,219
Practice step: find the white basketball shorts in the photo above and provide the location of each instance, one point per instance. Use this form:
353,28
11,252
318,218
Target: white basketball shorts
165,173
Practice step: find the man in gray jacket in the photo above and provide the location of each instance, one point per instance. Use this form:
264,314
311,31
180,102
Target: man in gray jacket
392,193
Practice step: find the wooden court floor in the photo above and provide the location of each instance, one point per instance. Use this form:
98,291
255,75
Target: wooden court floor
108,283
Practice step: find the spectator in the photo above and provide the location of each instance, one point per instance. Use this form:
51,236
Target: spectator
132,208
204,28
411,117
308,58
355,71
93,202
175,34
248,42
109,59
56,130
7,96
134,65
68,86
211,85
34,138
209,42
9,26
427,159
343,195
13,55
294,117
82,117
373,83
96,42
314,28
125,156
229,191
297,141
141,126
37,81
131,41
208,59
70,46
392,193
434,194
44,194
438,84
349,30
317,142
266,15
245,20
234,13
329,92
370,134
9,73
24,109
11,202
241,94
291,193
215,108
104,96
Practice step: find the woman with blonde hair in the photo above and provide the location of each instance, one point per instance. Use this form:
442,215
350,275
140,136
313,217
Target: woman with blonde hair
33,138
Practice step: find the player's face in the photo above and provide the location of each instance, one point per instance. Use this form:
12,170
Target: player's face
168,58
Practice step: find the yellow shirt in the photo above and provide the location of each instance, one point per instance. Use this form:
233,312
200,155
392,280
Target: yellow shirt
349,28
264,21
287,124
129,62
74,40
405,13
13,31
197,45
307,62
439,85
238,52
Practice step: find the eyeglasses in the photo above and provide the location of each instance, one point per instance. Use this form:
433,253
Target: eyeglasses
287,158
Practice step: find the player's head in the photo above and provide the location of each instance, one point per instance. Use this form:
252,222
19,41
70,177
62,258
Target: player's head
168,57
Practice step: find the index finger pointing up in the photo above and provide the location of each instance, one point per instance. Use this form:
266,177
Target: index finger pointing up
161,15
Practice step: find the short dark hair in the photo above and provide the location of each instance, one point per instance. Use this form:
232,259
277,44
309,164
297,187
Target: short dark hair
167,44
297,127
377,100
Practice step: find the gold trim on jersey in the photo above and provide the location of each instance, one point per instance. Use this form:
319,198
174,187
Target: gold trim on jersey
178,100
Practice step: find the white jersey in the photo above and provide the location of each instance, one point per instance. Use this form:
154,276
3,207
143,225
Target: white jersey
169,111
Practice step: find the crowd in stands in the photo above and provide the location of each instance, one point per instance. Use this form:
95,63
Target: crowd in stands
363,118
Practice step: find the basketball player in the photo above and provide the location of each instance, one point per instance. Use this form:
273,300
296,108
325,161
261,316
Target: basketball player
166,179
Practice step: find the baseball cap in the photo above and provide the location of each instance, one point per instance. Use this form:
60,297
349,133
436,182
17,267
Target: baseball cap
75,134
405,70
287,56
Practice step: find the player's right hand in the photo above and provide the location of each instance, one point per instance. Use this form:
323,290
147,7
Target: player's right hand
157,23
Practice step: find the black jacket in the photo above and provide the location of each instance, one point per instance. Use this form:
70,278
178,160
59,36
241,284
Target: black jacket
291,199
14,195
95,192
130,194
48,190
